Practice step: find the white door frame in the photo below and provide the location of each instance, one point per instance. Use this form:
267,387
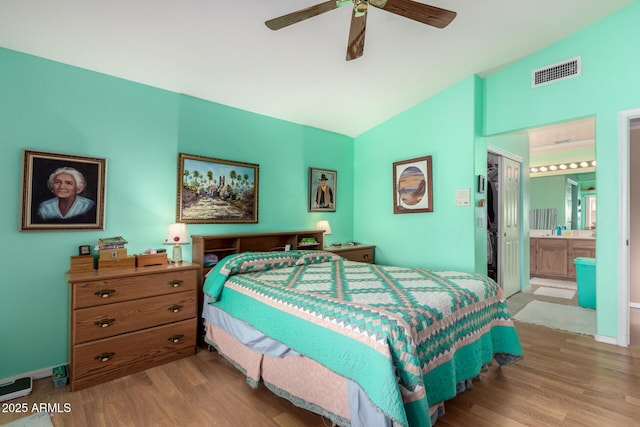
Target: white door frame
624,139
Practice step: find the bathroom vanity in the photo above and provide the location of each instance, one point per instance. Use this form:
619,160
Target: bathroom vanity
552,256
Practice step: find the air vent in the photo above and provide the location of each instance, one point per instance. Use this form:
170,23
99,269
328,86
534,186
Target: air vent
556,72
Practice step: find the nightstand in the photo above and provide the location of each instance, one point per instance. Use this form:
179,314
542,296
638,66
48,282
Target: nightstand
360,253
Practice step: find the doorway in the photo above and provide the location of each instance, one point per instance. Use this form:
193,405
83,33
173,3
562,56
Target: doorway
628,250
555,155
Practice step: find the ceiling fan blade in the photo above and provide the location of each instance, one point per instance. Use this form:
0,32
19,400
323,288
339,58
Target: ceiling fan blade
420,12
355,47
301,15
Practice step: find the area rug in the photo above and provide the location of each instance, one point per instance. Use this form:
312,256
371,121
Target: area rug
558,316
555,292
552,283
39,419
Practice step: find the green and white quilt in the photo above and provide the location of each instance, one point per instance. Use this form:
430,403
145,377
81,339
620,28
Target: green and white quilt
406,336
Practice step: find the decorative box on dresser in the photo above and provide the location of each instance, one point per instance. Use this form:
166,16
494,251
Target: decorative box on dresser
360,253
128,320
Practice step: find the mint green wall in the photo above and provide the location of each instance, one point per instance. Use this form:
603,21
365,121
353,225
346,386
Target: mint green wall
140,130
479,200
284,151
609,84
443,127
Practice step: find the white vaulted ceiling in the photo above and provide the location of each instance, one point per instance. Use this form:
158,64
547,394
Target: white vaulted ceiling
221,50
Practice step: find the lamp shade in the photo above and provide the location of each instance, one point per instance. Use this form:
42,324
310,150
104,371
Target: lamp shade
177,234
324,225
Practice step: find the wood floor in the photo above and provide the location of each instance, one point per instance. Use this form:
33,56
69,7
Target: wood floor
563,380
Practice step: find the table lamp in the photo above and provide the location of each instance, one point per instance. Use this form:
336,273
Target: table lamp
177,235
324,225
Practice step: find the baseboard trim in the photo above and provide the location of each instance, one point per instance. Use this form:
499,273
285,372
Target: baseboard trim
36,375
606,340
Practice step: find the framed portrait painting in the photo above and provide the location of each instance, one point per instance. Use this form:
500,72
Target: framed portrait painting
218,191
412,186
62,192
323,185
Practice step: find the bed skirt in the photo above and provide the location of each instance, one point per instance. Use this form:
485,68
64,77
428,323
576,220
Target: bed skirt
306,383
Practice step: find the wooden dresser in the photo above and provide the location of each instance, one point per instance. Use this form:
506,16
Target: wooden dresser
360,253
127,320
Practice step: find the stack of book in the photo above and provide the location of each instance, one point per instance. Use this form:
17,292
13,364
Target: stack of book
112,253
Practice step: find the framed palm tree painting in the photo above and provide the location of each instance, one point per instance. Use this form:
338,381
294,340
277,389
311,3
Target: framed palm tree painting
216,191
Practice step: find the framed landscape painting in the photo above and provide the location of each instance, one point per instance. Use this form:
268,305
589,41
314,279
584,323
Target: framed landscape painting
412,186
62,192
218,191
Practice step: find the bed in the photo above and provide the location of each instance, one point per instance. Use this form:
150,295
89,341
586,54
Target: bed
361,344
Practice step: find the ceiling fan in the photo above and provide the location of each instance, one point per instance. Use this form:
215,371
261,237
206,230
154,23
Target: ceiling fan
420,12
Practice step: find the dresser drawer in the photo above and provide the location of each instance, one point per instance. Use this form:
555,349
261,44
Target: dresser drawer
114,319
359,255
103,360
106,291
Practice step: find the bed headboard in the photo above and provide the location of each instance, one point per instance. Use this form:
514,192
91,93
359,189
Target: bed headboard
222,245
218,246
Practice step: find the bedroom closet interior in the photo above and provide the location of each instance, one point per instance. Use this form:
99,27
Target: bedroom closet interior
492,215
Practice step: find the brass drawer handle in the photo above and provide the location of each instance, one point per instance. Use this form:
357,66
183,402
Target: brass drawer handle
104,357
103,323
175,308
176,338
175,283
365,256
105,293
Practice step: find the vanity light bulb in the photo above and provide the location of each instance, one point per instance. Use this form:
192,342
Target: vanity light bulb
534,170
584,164
573,165
593,163
553,167
563,166
543,169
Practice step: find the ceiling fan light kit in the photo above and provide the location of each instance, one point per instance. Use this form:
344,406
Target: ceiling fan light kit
424,13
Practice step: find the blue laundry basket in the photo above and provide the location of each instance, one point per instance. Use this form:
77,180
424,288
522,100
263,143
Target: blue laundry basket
586,278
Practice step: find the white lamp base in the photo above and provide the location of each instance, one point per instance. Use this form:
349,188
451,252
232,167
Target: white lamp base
176,256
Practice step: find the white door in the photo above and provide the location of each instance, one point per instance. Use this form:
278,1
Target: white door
568,204
509,227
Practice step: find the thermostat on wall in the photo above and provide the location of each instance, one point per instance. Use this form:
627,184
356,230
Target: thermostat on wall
463,197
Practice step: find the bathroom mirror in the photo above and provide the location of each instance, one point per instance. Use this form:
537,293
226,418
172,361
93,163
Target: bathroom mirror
573,196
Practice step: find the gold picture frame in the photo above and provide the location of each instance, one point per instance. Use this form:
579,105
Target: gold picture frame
62,192
216,191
